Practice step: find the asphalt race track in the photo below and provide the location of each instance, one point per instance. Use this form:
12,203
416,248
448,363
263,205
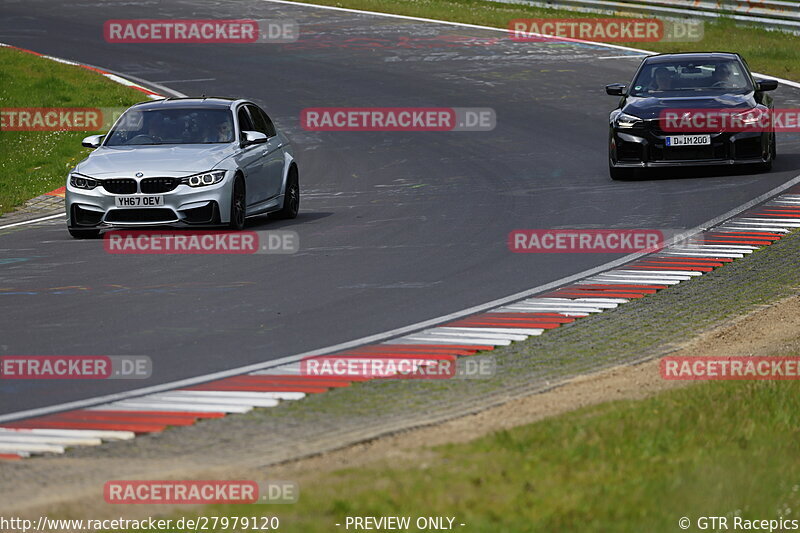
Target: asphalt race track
395,228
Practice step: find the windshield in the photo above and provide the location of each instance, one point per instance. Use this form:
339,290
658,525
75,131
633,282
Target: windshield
717,76
172,126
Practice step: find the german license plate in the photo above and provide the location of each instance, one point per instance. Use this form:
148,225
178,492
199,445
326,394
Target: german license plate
688,140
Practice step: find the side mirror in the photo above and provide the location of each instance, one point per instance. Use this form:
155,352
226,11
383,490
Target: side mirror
767,85
253,137
92,141
616,89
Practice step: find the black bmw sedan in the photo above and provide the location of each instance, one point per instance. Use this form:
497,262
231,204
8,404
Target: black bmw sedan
655,123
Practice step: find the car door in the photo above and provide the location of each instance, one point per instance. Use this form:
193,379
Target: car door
250,159
272,152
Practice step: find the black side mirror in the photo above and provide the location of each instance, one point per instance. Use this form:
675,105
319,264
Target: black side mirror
767,85
616,89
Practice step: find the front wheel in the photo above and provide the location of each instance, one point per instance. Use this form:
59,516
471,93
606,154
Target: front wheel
291,198
84,233
773,153
238,206
773,147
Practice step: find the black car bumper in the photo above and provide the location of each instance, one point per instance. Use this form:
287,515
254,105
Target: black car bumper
646,149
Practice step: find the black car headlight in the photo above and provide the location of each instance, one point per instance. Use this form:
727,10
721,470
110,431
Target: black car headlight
79,181
626,121
204,178
753,117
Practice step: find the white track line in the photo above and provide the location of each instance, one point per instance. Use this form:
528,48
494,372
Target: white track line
603,300
506,329
566,303
659,272
47,439
774,221
472,333
25,222
730,228
540,309
28,447
240,394
447,340
91,433
181,401
154,405
705,254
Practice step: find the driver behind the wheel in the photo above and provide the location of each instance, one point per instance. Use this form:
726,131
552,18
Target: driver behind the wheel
662,78
156,130
722,76
224,131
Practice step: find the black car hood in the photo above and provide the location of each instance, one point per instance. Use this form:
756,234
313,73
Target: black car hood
651,107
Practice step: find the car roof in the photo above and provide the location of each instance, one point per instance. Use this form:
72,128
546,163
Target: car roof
204,102
689,56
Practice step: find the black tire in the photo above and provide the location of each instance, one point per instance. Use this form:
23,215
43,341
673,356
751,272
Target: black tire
84,233
773,153
291,198
238,205
773,147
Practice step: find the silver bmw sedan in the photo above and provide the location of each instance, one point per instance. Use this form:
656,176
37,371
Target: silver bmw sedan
185,162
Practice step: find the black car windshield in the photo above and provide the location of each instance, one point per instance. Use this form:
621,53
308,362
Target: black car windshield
663,78
172,126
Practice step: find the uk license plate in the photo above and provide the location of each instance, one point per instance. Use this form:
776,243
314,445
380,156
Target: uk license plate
139,201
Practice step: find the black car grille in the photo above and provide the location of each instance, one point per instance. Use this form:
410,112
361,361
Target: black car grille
627,151
677,153
715,151
158,185
748,148
200,215
84,217
141,215
120,185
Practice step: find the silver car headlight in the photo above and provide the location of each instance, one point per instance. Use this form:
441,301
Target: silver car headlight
79,181
204,178
625,121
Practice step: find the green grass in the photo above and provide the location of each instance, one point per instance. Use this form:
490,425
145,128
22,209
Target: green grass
716,449
33,163
768,52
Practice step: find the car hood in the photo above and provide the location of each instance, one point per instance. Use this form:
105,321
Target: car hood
166,160
651,107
